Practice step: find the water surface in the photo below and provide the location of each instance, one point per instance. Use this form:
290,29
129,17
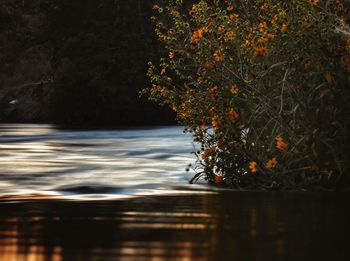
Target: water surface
41,160
223,226
124,195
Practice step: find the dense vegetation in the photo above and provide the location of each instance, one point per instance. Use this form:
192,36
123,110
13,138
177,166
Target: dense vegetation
264,87
77,62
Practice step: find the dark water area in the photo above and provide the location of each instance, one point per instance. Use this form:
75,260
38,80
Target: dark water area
219,226
124,195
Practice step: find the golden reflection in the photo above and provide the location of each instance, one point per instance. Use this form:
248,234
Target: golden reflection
169,214
166,226
161,250
9,245
36,253
11,249
57,254
202,227
171,245
194,228
9,233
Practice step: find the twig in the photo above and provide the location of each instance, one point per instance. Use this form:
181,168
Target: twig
196,177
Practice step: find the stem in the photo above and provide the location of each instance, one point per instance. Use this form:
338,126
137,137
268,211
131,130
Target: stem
195,177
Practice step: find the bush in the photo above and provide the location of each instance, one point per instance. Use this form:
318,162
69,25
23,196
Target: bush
262,85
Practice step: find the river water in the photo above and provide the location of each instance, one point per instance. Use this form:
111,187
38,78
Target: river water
42,161
124,195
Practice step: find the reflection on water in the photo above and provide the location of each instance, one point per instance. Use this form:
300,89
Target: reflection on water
224,226
43,161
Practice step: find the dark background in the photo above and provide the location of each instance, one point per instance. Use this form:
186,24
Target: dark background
77,62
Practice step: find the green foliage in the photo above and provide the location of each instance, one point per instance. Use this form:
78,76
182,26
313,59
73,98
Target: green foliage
262,85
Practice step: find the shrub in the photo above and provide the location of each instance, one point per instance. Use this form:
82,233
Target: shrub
262,85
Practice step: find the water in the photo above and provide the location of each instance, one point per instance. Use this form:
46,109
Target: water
42,161
124,195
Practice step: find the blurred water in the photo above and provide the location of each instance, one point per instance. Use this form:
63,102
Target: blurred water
41,160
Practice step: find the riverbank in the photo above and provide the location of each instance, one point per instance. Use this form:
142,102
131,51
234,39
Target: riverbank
227,225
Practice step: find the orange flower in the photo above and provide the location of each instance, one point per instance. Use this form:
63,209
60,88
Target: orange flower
262,26
233,17
232,115
197,35
162,71
274,21
218,56
284,27
264,50
205,156
234,89
314,2
229,36
171,55
264,7
270,36
208,152
253,167
261,50
282,13
212,150
248,40
229,8
214,92
175,13
271,163
221,29
218,179
280,143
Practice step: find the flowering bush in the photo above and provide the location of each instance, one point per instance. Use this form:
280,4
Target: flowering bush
264,87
